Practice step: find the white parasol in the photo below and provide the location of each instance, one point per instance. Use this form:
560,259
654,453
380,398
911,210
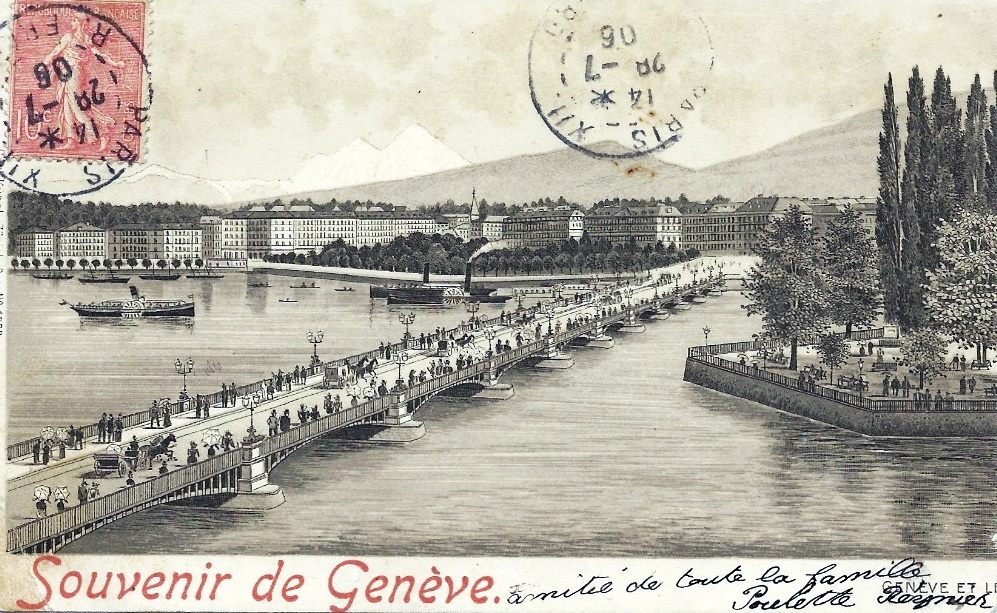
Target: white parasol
62,434
114,448
48,432
354,391
212,437
62,493
369,392
42,492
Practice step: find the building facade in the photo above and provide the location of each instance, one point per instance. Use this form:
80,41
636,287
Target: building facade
81,240
540,228
647,225
712,227
35,243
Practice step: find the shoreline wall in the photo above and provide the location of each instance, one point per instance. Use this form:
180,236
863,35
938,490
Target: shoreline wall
825,410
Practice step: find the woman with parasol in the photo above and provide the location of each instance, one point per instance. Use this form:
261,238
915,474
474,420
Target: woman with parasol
42,495
61,497
62,437
212,439
165,403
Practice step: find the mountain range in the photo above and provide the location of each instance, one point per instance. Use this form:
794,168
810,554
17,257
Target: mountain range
416,169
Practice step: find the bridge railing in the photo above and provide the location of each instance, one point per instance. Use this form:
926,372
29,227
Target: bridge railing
327,423
76,517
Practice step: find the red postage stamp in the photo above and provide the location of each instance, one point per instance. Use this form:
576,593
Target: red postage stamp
77,80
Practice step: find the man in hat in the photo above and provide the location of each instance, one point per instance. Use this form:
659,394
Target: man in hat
82,492
154,415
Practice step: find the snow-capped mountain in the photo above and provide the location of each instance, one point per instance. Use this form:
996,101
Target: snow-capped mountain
414,152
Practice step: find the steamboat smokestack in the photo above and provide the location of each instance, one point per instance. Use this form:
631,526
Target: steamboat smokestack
467,278
425,272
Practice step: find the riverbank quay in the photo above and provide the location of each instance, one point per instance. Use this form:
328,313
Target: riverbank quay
732,264
719,368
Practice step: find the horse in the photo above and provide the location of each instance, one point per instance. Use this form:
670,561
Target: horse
160,446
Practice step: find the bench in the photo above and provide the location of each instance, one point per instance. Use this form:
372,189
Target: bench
889,342
977,365
990,391
884,367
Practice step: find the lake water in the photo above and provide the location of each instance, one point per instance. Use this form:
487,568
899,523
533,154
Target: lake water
616,456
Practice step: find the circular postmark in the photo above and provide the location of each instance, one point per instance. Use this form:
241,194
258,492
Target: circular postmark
78,91
623,72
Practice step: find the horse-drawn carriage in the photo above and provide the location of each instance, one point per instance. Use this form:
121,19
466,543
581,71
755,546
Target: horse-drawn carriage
120,459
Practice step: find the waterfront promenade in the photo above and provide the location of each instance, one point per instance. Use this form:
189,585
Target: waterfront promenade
605,307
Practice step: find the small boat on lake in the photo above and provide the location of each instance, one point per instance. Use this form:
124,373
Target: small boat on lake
205,275
52,276
264,284
344,289
287,300
303,286
96,279
166,277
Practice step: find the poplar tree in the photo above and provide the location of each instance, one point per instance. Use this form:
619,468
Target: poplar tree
944,164
991,139
913,191
974,188
888,220
850,266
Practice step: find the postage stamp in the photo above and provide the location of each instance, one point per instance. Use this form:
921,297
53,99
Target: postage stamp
76,83
615,72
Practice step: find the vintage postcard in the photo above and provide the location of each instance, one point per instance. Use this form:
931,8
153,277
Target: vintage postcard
440,305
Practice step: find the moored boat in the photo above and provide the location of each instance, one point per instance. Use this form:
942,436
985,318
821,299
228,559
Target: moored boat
205,275
95,279
154,277
52,276
135,307
681,305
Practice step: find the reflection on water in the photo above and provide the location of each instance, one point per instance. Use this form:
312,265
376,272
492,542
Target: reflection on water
616,456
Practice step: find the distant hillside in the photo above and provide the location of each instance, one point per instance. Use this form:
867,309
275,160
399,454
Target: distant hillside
832,161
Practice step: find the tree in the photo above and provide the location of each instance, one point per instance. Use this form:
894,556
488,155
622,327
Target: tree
199,262
70,263
132,263
15,263
787,287
146,263
943,165
924,350
35,263
833,351
188,263
888,219
25,263
48,262
974,186
161,264
850,268
175,263
913,190
59,264
961,299
991,139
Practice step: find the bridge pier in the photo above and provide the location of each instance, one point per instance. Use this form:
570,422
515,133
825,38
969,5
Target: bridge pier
632,325
493,390
398,425
253,488
553,358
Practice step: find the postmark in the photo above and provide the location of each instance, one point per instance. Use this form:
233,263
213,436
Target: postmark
626,72
79,94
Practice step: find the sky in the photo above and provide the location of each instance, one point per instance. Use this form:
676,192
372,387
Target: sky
253,90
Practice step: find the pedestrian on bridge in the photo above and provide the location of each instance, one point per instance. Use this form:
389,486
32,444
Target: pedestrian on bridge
154,415
233,393
36,451
272,423
193,453
101,428
119,427
224,395
82,492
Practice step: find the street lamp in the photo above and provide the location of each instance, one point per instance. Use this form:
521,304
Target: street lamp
763,347
472,308
249,402
706,333
400,358
548,310
519,294
315,339
184,369
861,385
489,334
406,319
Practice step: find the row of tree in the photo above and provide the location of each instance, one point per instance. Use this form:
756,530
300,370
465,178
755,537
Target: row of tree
943,172
447,254
95,263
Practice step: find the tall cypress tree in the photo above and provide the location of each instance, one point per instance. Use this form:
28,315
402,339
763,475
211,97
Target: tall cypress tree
913,189
947,139
888,225
975,149
991,139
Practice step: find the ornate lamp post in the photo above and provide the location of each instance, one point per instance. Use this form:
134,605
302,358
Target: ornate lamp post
490,335
472,308
315,339
861,384
406,319
250,402
184,369
549,311
706,333
519,294
763,347
400,358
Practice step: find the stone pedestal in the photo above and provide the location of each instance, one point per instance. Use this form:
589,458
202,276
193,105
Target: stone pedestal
406,432
632,328
254,490
603,341
398,414
267,497
660,316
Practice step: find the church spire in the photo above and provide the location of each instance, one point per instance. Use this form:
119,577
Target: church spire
475,213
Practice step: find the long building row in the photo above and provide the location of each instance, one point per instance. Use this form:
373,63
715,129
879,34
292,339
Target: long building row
259,232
